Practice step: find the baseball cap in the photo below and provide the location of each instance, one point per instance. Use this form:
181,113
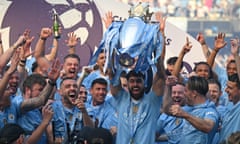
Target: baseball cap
10,132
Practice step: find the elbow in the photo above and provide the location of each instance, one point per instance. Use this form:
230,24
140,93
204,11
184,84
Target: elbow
207,129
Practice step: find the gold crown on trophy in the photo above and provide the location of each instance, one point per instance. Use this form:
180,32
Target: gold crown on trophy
141,10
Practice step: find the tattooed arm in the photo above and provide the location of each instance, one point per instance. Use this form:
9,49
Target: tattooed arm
29,104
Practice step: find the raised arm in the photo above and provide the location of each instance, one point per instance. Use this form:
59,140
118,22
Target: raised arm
108,19
8,73
40,46
200,38
219,43
159,78
5,57
177,66
85,72
167,97
47,114
113,88
54,50
25,51
162,21
53,74
72,42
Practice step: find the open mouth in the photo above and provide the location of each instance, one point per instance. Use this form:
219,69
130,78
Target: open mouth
72,71
72,94
177,100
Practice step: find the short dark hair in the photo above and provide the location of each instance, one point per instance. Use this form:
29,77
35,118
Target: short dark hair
65,78
231,61
72,56
234,78
123,74
99,81
134,73
198,84
172,60
180,83
10,133
211,73
95,135
33,79
215,81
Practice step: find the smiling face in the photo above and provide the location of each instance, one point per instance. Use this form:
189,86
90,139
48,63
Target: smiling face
231,68
98,92
202,70
101,60
136,87
190,96
233,92
82,94
71,67
13,83
68,91
178,96
214,92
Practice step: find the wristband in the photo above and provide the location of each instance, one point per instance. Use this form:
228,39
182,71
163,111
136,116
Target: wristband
43,38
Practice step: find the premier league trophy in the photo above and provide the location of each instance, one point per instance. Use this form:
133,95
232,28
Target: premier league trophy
133,44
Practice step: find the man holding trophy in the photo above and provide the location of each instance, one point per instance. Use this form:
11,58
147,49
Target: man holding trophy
135,46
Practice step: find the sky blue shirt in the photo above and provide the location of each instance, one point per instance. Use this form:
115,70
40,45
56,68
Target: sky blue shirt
230,122
30,120
171,126
191,135
221,111
137,127
8,115
222,78
104,113
87,82
59,121
73,117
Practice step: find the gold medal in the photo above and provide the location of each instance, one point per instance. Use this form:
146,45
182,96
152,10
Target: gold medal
177,121
135,109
